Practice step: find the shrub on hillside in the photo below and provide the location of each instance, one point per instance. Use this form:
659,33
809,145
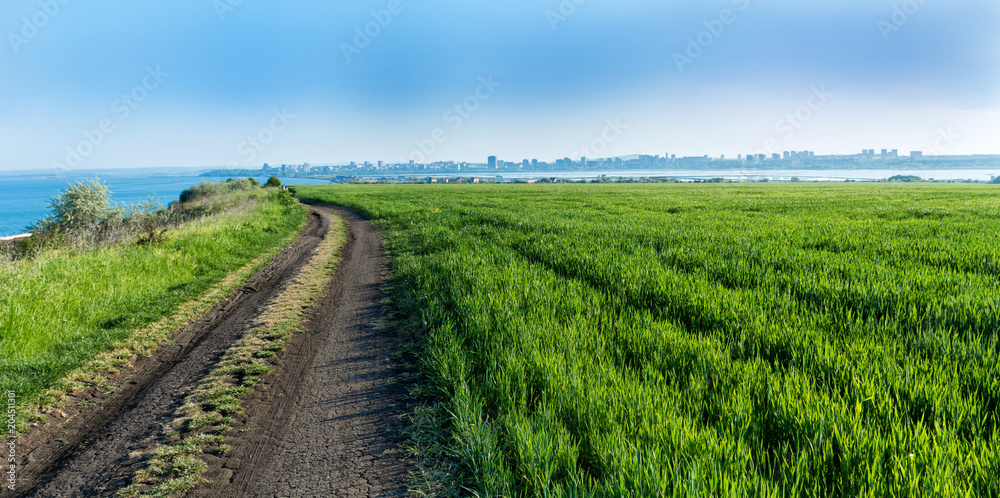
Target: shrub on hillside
273,182
207,189
83,214
81,207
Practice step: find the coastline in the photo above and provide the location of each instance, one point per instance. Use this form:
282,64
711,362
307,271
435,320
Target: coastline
11,238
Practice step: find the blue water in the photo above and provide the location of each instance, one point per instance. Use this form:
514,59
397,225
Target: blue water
24,200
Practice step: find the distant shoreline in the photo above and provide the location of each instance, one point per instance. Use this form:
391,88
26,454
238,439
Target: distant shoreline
983,174
637,166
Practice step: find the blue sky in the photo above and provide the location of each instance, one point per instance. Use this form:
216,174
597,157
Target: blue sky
201,79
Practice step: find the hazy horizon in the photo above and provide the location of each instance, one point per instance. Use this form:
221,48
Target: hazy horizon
187,83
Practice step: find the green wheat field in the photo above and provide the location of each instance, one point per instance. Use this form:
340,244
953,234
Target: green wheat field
704,340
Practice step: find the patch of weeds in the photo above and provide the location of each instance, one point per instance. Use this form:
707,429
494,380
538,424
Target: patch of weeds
250,381
203,420
176,469
230,408
275,347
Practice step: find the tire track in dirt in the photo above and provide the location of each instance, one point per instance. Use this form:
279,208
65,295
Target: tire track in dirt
92,454
327,421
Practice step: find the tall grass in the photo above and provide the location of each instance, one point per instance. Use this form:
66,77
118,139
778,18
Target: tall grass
60,309
720,340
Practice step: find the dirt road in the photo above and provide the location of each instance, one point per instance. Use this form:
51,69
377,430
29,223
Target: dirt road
324,423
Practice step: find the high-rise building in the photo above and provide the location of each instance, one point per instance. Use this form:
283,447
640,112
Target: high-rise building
534,163
916,154
493,162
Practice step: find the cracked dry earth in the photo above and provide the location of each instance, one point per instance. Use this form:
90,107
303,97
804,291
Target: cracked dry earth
325,422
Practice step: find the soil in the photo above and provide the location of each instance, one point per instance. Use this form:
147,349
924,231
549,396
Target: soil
326,422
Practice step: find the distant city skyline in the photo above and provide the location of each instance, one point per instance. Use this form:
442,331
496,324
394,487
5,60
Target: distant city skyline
867,158
492,161
193,83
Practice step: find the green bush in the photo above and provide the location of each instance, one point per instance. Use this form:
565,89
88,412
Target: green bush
83,214
206,189
273,182
82,207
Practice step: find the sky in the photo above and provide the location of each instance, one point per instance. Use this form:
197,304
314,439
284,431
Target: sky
207,83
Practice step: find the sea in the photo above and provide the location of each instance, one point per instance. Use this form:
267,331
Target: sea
24,199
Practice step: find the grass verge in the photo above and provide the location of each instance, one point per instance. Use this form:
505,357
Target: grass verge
70,321
175,467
